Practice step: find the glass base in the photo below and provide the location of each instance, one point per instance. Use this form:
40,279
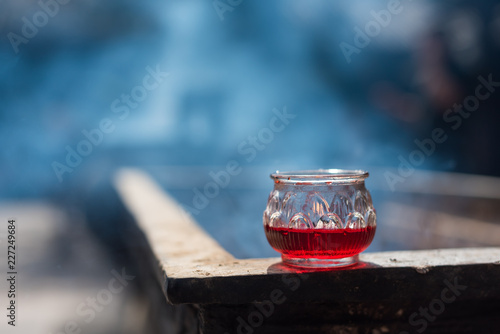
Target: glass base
320,263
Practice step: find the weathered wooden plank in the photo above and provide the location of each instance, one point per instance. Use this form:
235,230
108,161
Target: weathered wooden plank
198,271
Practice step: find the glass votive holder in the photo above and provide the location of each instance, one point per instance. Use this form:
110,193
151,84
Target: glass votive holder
320,218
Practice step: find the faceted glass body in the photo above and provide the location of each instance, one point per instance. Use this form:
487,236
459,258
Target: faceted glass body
321,218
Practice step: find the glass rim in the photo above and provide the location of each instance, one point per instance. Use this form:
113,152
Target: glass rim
320,176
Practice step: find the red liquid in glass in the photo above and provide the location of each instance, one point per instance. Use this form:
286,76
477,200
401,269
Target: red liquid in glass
319,243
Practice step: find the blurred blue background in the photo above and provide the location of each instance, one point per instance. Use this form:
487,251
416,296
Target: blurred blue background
68,67
181,88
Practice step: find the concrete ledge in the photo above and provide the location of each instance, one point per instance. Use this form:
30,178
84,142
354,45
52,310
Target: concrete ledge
380,292
197,270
